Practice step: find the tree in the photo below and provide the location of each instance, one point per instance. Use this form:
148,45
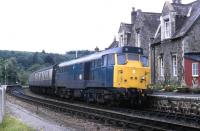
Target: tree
11,71
43,51
23,77
34,67
49,59
35,58
8,71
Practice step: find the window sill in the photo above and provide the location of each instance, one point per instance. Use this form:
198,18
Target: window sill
161,78
166,39
195,75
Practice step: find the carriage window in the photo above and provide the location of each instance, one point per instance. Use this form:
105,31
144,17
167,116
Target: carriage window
121,59
111,59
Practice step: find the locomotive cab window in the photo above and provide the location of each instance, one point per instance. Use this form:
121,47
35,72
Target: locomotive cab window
134,57
111,59
121,59
144,60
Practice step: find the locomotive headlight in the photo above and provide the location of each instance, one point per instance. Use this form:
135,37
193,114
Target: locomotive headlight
134,71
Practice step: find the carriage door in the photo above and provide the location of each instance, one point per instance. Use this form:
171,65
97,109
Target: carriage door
104,70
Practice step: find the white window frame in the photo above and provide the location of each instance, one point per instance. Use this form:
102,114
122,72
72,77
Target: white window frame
138,43
161,66
166,28
121,39
195,69
174,65
128,38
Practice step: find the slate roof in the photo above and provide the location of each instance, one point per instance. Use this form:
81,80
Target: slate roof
151,21
114,44
184,10
181,9
195,13
157,38
125,27
193,56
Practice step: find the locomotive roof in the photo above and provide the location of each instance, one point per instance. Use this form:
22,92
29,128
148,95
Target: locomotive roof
98,55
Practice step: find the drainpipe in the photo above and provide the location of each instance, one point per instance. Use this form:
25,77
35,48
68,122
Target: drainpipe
153,69
154,65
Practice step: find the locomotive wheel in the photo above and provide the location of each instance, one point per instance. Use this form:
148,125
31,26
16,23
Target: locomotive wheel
61,92
100,98
89,98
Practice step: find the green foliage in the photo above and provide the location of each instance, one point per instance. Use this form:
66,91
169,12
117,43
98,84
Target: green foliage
79,53
169,87
34,67
12,124
15,66
157,87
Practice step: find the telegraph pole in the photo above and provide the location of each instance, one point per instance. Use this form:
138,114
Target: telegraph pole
5,74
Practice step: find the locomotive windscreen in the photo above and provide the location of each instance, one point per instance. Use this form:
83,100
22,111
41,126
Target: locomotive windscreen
136,50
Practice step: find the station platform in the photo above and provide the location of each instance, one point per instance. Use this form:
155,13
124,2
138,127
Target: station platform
175,95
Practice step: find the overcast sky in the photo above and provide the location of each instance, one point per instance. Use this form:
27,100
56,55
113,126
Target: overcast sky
61,25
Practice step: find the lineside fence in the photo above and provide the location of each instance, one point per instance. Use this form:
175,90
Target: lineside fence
2,101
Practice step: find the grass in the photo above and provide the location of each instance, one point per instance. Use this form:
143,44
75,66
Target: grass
12,124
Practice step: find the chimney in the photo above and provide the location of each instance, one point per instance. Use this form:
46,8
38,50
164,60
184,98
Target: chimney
177,1
139,11
133,15
133,9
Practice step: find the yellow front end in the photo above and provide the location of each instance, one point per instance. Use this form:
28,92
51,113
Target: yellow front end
131,75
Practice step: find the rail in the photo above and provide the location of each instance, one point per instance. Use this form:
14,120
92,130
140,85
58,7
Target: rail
137,120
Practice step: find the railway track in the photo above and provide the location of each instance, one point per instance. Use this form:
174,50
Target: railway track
134,119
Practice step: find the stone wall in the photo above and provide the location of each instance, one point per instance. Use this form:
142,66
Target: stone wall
168,48
146,29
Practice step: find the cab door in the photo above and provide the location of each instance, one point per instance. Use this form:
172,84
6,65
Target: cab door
104,70
108,62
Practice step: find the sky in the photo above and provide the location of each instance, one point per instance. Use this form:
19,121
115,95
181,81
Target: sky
57,26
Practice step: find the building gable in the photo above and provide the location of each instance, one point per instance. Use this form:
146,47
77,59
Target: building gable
183,17
167,8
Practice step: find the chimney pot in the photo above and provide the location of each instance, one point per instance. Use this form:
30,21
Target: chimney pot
133,8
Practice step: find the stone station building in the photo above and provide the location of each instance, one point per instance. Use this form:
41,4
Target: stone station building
177,35
167,38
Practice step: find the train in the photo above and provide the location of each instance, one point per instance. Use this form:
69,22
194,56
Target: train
113,75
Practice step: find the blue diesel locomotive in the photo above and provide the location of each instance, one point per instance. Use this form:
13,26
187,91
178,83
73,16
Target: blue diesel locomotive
112,75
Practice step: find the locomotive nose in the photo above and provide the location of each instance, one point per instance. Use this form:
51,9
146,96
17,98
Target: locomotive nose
132,77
